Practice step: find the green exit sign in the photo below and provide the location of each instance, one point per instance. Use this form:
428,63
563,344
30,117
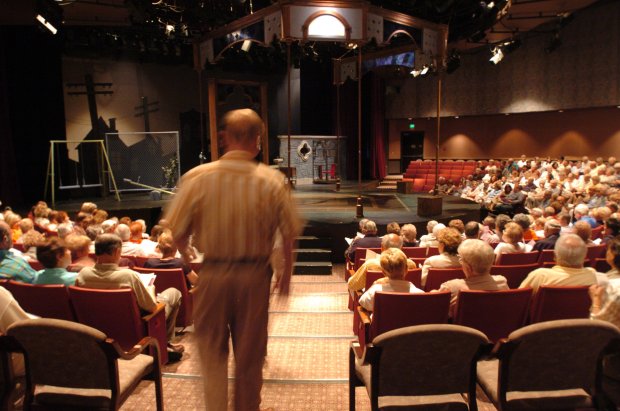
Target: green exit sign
411,126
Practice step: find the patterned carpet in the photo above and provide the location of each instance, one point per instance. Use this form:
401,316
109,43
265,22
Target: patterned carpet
307,362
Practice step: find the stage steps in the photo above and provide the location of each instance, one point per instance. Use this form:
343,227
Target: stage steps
313,256
389,182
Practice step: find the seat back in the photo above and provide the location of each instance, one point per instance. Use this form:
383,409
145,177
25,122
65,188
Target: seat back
495,313
48,301
415,252
438,276
64,354
530,257
515,274
414,276
597,232
360,254
36,265
397,310
559,303
431,251
554,355
174,278
371,277
114,312
595,251
407,355
546,256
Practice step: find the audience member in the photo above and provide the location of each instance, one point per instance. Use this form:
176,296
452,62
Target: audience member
29,243
394,266
448,243
584,231
472,230
582,213
409,233
526,225
393,228
80,252
370,240
476,259
135,232
169,259
430,240
512,241
55,257
606,302
570,252
612,229
429,237
10,311
106,274
129,248
12,267
357,282
148,246
613,258
551,236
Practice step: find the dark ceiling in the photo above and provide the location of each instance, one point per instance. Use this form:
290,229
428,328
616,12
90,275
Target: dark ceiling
163,30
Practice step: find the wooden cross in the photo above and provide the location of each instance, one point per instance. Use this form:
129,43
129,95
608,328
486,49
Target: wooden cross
146,108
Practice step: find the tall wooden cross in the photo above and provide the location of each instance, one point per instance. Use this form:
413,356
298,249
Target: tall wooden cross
144,109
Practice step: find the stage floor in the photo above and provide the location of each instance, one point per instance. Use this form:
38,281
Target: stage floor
328,213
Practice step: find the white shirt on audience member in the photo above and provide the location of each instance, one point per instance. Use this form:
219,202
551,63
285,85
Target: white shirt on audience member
367,300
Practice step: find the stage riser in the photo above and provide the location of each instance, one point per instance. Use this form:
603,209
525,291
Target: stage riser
312,268
312,254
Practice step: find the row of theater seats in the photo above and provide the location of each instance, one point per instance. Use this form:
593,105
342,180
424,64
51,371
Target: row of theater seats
496,314
564,364
114,312
422,174
533,259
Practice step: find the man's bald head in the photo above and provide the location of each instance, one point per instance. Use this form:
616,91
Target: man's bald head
391,241
242,129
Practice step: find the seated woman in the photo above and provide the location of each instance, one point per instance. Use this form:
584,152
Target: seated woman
394,265
448,240
55,257
169,260
512,241
80,252
476,259
613,258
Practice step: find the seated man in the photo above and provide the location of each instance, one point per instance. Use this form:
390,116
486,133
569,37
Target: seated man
570,252
551,236
106,274
169,259
12,267
357,282
476,259
394,266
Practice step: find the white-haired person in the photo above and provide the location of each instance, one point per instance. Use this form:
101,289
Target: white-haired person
430,240
408,232
394,265
370,240
476,259
357,282
429,237
129,248
448,240
570,252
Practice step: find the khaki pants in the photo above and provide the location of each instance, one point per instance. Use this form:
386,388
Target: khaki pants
232,302
171,297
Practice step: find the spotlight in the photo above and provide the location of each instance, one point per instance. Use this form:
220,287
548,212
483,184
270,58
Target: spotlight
424,70
46,24
498,55
416,72
169,30
246,46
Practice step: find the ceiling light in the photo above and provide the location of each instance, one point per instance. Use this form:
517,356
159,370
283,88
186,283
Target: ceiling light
46,24
498,55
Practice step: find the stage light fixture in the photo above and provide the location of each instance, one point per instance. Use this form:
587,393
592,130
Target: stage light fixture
498,55
46,24
246,46
424,70
415,72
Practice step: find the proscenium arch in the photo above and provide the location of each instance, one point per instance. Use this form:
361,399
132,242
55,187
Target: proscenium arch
335,14
403,33
234,43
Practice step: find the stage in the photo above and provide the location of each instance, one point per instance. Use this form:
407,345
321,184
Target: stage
327,213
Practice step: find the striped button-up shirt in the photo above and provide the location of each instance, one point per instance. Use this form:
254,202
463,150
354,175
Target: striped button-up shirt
13,267
233,207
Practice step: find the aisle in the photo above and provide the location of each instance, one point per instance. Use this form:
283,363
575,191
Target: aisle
307,362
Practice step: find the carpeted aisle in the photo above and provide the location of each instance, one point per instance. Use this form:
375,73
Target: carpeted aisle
307,361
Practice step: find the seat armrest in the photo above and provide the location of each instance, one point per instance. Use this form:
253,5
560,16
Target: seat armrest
159,307
137,349
364,315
